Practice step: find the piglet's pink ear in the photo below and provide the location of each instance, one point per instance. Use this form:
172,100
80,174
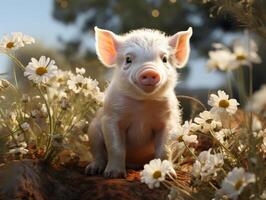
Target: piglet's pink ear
180,43
106,46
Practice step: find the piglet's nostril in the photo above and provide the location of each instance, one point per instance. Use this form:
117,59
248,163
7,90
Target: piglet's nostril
149,77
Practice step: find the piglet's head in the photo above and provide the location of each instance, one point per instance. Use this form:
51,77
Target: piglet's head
144,59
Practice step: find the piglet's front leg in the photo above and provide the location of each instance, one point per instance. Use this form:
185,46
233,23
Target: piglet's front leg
161,137
115,146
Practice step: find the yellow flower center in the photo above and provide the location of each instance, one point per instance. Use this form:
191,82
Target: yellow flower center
41,71
79,84
238,184
223,103
60,80
241,57
10,45
209,121
157,174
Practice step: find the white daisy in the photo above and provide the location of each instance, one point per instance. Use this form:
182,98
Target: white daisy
41,71
207,122
11,42
61,78
23,144
221,59
77,83
245,52
223,134
17,150
222,104
56,93
99,96
91,88
3,84
207,165
84,138
185,134
235,182
20,149
80,71
26,39
80,84
155,172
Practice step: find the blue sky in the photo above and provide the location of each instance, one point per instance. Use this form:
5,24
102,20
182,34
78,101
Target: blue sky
34,18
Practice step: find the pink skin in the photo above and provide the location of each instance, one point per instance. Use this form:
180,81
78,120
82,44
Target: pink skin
140,107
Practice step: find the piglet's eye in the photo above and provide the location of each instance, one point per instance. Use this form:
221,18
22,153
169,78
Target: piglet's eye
164,59
128,60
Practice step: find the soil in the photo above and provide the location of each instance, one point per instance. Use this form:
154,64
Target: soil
33,180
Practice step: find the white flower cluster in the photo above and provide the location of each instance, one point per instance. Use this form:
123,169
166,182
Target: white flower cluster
87,86
235,182
55,111
207,122
3,84
15,41
207,165
260,133
185,133
211,121
44,70
20,147
243,53
156,171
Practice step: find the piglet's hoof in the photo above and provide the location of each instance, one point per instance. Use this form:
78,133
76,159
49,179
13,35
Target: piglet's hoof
94,168
115,173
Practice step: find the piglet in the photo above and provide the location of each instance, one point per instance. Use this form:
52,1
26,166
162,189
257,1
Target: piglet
140,108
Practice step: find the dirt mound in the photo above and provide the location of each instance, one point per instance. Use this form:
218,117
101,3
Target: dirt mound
30,179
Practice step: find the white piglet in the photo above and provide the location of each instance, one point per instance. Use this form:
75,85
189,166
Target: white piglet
140,107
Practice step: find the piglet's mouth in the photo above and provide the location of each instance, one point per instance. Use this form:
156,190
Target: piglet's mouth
147,88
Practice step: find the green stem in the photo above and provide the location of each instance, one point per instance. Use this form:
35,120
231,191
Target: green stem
250,80
9,129
191,152
19,64
229,85
193,99
241,85
15,76
226,149
50,118
213,186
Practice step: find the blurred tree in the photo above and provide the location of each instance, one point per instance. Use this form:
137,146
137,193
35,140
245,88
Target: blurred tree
121,16
211,22
124,15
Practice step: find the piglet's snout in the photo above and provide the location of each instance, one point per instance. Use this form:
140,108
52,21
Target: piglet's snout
148,79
